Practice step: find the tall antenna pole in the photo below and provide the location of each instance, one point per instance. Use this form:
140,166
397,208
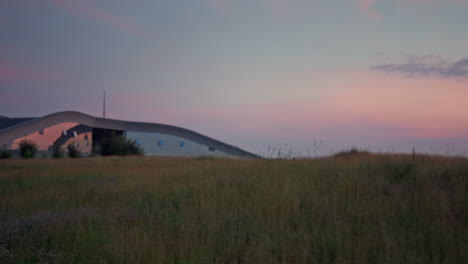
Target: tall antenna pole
104,106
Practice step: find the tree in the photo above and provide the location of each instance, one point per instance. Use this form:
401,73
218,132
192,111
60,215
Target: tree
73,151
28,148
118,145
57,151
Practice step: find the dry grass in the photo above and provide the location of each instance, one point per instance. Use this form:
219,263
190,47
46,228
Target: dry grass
355,209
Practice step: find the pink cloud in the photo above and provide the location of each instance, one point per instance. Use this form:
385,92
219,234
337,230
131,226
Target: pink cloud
13,99
279,8
289,9
421,5
89,9
436,1
283,8
428,107
366,6
8,73
360,104
222,6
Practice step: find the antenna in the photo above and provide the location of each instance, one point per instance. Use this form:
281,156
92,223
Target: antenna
104,105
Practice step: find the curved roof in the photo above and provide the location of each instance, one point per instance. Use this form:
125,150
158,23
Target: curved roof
9,134
6,122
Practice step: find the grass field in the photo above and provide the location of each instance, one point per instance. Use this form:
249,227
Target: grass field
353,209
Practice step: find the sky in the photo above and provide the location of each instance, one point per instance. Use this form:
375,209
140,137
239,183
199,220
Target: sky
299,77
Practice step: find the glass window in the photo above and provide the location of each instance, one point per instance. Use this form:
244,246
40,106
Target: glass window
137,141
210,148
160,143
182,144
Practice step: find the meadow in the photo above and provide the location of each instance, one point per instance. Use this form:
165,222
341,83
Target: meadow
361,208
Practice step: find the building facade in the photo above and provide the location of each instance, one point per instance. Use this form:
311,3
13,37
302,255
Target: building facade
86,132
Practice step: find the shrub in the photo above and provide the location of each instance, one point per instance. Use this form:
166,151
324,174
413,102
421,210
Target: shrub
112,145
118,145
28,154
351,151
73,151
133,148
6,154
28,148
57,151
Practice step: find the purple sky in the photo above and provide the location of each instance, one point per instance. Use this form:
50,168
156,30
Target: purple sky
306,76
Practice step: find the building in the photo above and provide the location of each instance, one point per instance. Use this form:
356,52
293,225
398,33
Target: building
86,132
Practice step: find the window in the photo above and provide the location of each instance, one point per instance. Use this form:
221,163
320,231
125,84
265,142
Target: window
160,143
137,141
41,132
182,144
210,148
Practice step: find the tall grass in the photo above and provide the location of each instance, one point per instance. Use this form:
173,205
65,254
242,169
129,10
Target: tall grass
350,209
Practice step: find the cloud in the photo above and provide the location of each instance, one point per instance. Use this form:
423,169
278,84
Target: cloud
219,5
90,9
8,73
432,2
419,104
427,65
366,6
278,8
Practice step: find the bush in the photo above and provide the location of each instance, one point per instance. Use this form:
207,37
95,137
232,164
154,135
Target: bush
57,151
351,151
133,148
28,154
6,154
73,151
28,148
118,145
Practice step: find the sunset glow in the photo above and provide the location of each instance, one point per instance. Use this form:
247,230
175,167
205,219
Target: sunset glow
384,75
